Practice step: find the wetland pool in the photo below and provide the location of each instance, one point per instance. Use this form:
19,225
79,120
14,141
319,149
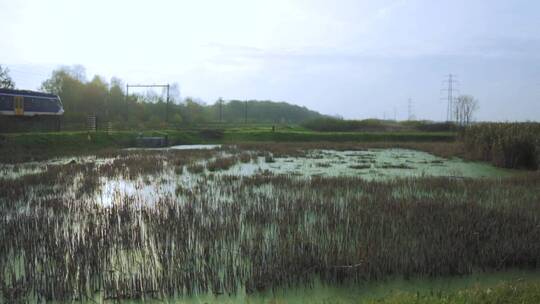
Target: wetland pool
373,164
370,165
223,225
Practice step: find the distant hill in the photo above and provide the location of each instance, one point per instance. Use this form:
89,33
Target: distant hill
263,112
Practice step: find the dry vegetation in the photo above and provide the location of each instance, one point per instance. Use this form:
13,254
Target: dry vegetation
510,145
227,233
442,149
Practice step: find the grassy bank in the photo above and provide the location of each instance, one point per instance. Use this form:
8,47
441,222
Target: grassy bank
507,292
328,124
39,146
311,136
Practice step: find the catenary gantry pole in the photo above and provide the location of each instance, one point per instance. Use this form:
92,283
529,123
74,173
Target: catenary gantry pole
167,86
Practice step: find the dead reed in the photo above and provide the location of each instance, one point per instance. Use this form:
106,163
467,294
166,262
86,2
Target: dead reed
223,233
221,163
509,145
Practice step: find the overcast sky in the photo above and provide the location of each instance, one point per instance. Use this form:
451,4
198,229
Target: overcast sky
354,58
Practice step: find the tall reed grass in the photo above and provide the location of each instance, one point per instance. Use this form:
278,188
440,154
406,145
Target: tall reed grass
510,145
231,233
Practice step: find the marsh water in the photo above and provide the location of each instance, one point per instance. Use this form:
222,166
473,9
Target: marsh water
246,226
367,164
371,164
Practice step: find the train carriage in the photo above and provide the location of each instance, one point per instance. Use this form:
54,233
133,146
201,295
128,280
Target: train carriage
28,111
29,103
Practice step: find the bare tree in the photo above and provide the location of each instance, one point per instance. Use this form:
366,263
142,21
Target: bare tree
469,108
5,80
464,109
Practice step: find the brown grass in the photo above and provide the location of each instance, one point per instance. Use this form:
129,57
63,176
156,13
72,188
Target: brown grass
259,232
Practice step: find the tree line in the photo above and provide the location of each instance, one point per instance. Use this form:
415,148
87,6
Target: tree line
6,82
108,102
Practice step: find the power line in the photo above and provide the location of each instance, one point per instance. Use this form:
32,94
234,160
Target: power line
452,83
245,112
410,109
220,109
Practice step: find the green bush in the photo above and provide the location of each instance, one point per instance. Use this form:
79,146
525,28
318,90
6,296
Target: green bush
376,125
211,134
340,125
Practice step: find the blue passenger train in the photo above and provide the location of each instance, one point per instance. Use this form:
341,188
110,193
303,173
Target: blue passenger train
29,103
